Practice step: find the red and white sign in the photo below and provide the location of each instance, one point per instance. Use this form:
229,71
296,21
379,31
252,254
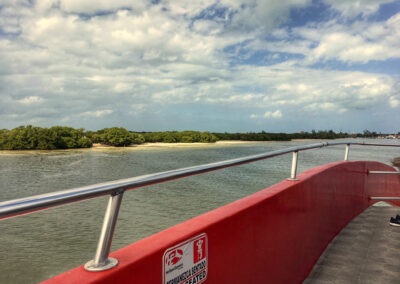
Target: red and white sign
186,263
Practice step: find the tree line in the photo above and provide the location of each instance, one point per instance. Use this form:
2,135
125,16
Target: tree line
61,137
33,138
179,137
265,136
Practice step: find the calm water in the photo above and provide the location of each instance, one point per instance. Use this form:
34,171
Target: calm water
38,246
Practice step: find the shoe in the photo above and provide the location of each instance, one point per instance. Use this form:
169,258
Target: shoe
394,222
398,217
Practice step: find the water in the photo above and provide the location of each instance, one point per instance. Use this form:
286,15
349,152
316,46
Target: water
38,246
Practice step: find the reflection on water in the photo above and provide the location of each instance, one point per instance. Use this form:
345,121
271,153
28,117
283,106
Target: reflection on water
38,246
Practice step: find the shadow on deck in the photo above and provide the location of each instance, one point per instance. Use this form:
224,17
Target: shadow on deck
367,250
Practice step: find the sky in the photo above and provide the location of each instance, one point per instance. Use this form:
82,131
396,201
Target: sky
207,65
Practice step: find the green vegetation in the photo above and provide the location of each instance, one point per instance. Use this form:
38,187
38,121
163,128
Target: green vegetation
115,136
31,137
59,137
180,137
253,136
265,136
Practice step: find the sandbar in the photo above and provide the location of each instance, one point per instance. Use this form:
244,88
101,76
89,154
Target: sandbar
100,147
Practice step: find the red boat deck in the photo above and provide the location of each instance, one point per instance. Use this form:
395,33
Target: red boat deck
366,251
273,236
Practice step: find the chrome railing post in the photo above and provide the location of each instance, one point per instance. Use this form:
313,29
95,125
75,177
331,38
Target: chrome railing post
346,154
294,166
101,260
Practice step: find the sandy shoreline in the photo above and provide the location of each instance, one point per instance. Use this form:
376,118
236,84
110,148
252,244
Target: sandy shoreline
158,145
177,145
198,144
100,147
311,140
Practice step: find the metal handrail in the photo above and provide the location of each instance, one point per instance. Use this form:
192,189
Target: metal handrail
116,189
383,173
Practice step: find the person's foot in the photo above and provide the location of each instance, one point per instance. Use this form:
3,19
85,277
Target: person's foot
394,221
398,217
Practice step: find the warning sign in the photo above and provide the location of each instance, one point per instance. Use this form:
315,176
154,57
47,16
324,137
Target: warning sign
186,263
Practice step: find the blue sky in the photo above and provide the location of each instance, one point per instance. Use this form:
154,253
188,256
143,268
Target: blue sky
226,65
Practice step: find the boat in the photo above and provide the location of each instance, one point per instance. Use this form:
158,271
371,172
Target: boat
276,235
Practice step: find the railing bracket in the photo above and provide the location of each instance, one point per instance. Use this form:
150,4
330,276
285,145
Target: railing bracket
110,263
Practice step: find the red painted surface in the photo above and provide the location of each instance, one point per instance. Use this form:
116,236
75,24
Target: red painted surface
273,236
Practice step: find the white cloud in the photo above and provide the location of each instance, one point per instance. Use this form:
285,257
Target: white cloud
275,114
352,48
346,90
394,102
188,8
96,58
93,6
319,108
238,99
268,114
353,8
138,107
98,113
359,42
123,87
31,100
262,15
